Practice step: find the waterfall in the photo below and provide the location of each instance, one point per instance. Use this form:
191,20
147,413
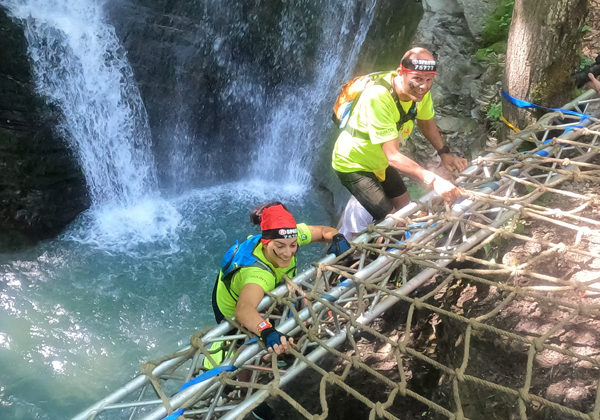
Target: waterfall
299,118
79,65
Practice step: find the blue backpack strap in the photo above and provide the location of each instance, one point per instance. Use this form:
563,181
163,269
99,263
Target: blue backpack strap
239,256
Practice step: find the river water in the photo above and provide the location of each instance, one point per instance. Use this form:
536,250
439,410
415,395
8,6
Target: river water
130,279
76,319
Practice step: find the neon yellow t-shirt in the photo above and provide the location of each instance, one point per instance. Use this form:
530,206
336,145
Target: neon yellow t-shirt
375,113
257,275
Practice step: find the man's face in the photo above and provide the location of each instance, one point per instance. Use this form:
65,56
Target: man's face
417,84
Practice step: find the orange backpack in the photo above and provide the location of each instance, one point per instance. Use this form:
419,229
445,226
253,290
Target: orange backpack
350,94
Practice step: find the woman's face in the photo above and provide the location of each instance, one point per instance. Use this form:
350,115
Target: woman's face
280,252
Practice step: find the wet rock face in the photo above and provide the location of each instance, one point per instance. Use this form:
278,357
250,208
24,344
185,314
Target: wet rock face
41,186
207,71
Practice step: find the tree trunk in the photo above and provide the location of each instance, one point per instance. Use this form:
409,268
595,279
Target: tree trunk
543,45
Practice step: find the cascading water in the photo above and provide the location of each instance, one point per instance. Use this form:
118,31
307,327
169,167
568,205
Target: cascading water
131,279
80,66
299,117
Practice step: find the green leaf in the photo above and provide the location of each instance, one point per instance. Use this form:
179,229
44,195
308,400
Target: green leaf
586,28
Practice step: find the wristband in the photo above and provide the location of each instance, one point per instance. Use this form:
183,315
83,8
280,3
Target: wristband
443,150
263,326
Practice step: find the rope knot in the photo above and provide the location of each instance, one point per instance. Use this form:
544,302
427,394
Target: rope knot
460,257
561,247
524,395
459,375
379,410
566,162
196,341
577,285
456,273
538,344
147,368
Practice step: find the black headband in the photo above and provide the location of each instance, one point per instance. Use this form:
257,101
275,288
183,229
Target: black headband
419,65
283,233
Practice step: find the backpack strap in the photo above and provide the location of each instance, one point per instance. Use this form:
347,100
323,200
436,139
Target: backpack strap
226,278
404,116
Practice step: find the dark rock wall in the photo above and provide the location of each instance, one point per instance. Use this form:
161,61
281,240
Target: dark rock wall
206,75
41,186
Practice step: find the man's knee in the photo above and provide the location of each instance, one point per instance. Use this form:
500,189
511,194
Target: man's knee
401,201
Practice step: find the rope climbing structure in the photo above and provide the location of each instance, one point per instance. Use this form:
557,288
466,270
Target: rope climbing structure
436,263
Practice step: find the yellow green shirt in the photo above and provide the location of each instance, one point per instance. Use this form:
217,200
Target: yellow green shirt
375,113
257,275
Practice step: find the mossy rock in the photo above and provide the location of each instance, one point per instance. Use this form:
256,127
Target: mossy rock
497,48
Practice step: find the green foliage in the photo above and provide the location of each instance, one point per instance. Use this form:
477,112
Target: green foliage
415,189
586,28
494,115
497,25
490,55
495,112
585,61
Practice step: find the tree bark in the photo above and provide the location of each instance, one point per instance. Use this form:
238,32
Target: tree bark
543,44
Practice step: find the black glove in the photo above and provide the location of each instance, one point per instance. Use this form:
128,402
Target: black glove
339,245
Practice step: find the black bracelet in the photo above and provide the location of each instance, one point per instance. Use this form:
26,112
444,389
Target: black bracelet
443,150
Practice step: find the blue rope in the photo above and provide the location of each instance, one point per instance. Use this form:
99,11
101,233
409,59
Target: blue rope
175,415
207,375
524,104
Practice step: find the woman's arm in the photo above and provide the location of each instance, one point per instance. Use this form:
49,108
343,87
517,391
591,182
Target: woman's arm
245,309
248,316
322,233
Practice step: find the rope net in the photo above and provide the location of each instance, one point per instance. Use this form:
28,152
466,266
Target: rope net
488,308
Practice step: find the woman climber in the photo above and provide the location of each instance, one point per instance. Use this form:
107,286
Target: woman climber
258,264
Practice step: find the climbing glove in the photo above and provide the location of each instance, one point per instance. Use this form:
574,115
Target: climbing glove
339,245
270,336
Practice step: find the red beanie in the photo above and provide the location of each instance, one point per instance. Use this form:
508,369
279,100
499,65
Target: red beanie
277,223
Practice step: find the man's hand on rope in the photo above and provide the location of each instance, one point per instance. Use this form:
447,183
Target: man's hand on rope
445,189
452,162
594,83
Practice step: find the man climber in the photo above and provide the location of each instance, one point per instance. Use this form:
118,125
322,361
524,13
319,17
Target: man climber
367,156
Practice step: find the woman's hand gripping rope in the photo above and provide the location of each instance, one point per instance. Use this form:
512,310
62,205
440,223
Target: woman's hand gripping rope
274,340
339,245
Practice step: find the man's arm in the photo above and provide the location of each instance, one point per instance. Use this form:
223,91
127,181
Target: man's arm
445,189
431,132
